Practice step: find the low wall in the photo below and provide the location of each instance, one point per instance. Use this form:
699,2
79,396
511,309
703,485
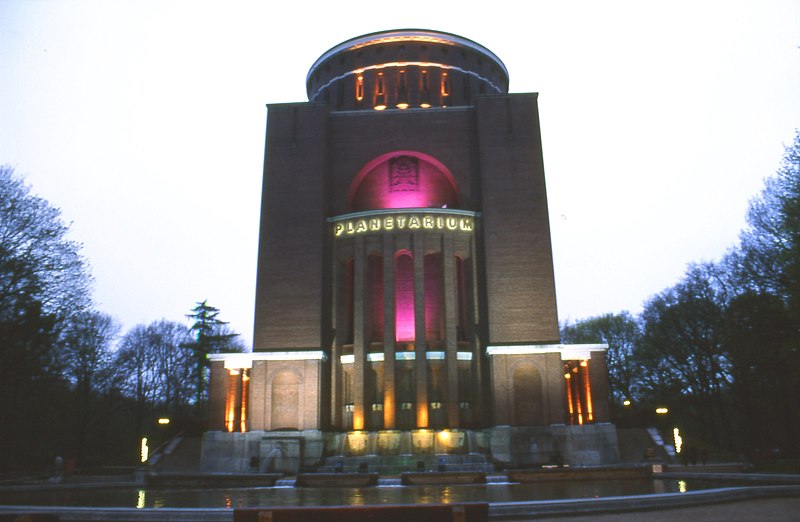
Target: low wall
465,512
291,452
287,452
557,444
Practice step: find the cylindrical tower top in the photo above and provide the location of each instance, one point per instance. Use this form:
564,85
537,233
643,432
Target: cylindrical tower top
405,68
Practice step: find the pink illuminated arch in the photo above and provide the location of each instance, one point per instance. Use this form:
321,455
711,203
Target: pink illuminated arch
404,328
403,179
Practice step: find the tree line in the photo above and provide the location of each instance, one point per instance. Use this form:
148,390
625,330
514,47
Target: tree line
720,348
72,385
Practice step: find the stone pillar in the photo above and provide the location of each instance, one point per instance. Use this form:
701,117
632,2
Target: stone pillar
598,380
340,320
360,337
389,359
420,348
217,392
257,416
450,330
555,389
502,389
481,399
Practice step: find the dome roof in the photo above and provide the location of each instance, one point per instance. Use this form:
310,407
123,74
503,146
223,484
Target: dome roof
412,49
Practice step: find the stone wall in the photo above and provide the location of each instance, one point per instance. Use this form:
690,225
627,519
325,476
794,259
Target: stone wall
288,452
587,445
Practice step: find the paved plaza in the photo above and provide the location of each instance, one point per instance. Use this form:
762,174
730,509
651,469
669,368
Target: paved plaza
773,509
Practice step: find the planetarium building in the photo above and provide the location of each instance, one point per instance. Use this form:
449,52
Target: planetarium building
405,300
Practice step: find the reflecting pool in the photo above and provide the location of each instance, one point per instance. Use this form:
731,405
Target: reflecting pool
230,497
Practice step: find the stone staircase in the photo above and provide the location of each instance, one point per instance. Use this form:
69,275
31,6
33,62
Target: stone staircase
181,454
637,445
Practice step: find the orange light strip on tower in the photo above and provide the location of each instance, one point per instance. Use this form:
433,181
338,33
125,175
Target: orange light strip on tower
567,379
245,395
588,389
577,395
230,400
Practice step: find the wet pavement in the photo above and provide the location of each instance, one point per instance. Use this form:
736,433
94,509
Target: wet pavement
773,509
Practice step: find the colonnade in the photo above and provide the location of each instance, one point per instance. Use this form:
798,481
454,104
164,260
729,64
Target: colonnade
404,310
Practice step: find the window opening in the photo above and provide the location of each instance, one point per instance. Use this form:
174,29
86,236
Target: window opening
359,87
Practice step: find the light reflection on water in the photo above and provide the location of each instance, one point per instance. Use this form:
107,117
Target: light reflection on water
283,496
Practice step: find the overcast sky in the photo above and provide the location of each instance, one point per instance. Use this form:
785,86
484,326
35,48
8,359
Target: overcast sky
144,121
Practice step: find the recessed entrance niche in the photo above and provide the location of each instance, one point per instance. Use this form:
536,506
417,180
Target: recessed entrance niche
403,179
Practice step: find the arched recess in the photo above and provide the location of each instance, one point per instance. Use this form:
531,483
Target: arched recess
434,298
375,274
403,179
404,328
527,385
285,407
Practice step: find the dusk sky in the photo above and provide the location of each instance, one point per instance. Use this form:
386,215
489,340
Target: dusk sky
144,121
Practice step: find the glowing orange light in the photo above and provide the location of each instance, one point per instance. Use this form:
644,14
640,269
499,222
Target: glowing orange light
423,87
386,65
245,395
388,410
380,95
403,38
588,388
569,395
360,87
402,90
422,416
230,400
358,420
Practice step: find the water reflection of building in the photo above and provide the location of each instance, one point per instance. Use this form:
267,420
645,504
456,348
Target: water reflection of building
405,276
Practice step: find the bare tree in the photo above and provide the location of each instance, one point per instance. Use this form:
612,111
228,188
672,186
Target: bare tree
87,359
44,284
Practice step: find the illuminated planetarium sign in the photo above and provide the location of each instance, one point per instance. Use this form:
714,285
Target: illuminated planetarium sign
376,223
